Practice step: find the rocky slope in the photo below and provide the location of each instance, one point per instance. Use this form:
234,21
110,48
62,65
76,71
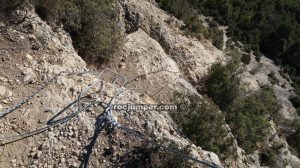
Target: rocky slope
157,58
32,53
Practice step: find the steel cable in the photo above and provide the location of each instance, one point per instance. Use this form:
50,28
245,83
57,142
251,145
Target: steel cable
39,90
14,138
110,118
108,114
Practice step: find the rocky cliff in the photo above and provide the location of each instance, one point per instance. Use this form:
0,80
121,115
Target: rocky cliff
156,60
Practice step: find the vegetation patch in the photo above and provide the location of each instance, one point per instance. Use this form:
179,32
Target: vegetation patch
184,11
271,27
10,5
268,26
247,112
246,59
294,139
222,83
91,24
273,79
296,100
204,124
296,103
268,156
149,156
249,115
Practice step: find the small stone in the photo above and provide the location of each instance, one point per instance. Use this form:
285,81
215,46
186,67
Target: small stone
62,160
2,90
74,165
18,82
39,154
29,57
121,65
109,93
75,134
115,118
75,153
11,81
9,94
89,109
71,133
63,147
34,149
55,147
28,75
147,125
58,69
1,107
4,80
14,162
2,24
145,76
31,37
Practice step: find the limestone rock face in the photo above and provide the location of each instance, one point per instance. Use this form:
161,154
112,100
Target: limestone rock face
157,59
258,74
192,56
157,43
55,56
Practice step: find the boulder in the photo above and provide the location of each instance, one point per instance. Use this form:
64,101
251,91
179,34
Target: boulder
29,75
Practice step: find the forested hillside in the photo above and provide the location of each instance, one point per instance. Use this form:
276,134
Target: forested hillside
267,26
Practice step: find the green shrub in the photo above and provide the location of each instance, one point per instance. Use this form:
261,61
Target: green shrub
272,78
99,37
203,123
10,5
248,117
216,37
246,59
69,14
258,56
269,27
91,24
269,154
294,139
222,85
247,112
148,156
296,100
187,12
